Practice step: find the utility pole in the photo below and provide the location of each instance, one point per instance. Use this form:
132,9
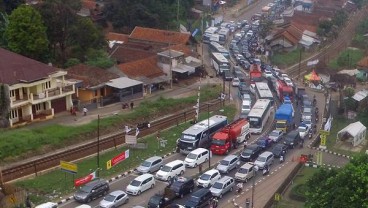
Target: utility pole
300,61
177,15
98,145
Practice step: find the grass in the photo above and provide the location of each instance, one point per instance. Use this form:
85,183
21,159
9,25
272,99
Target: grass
347,59
17,142
284,59
296,188
56,183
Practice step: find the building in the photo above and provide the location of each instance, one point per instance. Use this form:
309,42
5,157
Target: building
36,90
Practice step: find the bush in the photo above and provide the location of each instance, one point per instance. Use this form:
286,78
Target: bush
298,193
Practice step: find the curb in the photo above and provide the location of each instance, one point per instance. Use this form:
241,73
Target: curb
115,178
315,165
331,152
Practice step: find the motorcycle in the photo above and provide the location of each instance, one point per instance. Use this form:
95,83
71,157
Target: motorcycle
281,159
310,135
265,170
239,188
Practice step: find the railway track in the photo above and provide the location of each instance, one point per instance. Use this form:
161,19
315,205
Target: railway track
107,142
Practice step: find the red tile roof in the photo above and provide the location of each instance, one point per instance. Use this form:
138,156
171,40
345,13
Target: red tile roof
15,68
117,36
142,68
363,62
291,33
91,76
89,4
126,53
159,36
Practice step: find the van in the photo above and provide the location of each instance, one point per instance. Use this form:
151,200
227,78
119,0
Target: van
246,106
228,163
197,157
264,159
292,139
150,165
222,186
170,170
200,198
182,186
245,172
141,184
47,205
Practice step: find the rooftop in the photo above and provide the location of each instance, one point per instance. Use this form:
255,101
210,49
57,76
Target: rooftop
142,68
159,36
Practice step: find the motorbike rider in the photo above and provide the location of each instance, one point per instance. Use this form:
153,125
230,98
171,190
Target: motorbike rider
240,187
282,156
266,170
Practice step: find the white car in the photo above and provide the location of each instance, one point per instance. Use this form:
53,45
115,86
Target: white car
236,82
141,184
267,73
303,130
170,170
208,178
283,76
288,82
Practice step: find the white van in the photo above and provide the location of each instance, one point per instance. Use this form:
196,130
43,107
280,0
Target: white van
47,205
246,106
170,170
196,157
264,159
141,184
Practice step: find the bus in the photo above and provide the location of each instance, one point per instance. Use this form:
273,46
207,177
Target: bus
217,48
224,34
259,115
208,33
263,91
199,135
219,63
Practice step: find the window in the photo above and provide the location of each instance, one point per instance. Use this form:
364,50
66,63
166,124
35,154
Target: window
13,114
96,92
38,107
12,93
46,85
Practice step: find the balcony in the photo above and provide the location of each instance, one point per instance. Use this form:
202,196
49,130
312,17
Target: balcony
52,94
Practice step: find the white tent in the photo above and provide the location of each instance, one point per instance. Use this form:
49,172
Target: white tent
354,133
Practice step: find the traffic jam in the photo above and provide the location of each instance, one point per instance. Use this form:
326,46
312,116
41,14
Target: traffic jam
217,158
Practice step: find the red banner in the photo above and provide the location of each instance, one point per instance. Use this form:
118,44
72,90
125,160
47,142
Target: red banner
119,158
84,180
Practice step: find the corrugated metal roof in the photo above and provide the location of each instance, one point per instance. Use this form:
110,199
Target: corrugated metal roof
360,95
122,82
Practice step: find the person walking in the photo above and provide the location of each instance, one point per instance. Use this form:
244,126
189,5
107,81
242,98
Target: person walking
85,110
131,105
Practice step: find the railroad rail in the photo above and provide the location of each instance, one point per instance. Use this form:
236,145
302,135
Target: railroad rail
107,142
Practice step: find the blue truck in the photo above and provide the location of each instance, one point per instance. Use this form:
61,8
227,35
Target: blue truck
284,116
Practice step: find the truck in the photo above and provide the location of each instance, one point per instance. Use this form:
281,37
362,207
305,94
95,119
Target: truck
162,200
283,90
284,116
224,35
300,91
255,73
230,136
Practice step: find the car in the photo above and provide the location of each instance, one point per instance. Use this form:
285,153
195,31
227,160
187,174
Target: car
140,184
208,178
114,199
264,142
250,153
283,76
222,186
303,130
288,82
227,75
264,159
309,123
245,107
92,190
235,82
197,157
267,73
246,172
47,205
228,163
307,113
150,165
200,198
170,170
278,150
292,139
243,88
276,135
247,97
182,186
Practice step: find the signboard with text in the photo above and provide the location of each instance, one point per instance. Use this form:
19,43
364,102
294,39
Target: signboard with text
68,167
85,179
117,159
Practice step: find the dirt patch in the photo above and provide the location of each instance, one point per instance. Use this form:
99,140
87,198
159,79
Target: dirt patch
349,147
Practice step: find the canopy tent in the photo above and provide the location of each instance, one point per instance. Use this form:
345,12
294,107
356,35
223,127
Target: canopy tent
312,77
354,133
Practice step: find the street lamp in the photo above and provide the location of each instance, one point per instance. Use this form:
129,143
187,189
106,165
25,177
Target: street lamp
208,134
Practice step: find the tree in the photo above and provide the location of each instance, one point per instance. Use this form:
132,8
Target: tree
4,22
4,106
340,18
266,27
346,187
324,27
26,33
99,58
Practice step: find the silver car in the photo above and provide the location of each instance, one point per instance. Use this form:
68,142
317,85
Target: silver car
228,163
222,186
114,199
150,165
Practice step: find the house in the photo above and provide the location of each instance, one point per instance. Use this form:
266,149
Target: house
92,9
285,39
36,90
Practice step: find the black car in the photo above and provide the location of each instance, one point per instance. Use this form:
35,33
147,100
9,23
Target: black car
278,149
200,198
292,139
182,186
92,190
227,75
162,200
251,152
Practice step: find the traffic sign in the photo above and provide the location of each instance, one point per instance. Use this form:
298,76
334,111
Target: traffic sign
277,197
68,167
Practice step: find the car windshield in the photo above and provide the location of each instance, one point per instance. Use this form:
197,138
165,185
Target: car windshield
217,185
307,122
86,189
166,168
205,177
302,129
255,122
135,183
192,156
247,152
280,125
218,142
154,200
176,186
277,148
274,134
262,159
194,199
146,164
307,110
224,162
243,170
246,107
109,198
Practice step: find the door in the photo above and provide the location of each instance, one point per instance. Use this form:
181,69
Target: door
59,105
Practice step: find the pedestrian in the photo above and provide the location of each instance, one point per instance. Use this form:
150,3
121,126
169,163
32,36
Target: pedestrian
131,105
245,144
85,110
28,202
148,125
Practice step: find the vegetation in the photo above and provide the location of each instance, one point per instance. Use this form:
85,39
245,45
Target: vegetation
4,22
60,183
360,40
329,28
4,106
26,33
16,142
283,59
347,59
360,3
346,187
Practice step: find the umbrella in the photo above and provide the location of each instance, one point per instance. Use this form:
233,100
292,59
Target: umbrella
314,76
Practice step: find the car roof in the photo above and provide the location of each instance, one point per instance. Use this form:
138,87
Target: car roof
230,157
117,193
143,177
265,154
224,179
247,165
95,182
198,150
175,162
276,130
154,158
201,192
212,171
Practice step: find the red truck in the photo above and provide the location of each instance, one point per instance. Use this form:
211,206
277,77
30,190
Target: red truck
230,136
283,90
255,73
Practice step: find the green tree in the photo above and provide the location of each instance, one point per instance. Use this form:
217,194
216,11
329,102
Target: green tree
340,18
99,58
265,29
346,187
4,22
4,106
324,27
26,33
